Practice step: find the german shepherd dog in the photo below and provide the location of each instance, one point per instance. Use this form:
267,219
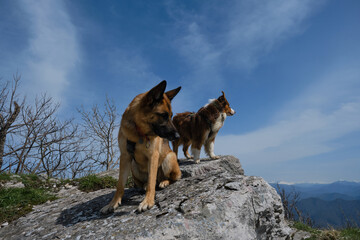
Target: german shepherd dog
200,128
145,131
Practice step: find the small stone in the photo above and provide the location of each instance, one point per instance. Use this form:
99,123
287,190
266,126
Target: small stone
12,184
68,186
17,177
4,224
233,186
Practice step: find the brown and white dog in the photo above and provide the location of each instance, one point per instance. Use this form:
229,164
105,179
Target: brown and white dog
201,128
144,135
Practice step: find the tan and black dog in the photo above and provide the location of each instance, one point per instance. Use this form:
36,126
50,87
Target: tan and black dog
144,135
200,128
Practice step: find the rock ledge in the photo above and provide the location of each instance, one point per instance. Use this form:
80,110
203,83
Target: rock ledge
213,200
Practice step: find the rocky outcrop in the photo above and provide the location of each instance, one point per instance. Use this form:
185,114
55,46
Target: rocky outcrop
213,200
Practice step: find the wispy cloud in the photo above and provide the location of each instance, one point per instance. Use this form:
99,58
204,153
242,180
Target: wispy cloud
242,33
201,55
307,126
132,68
53,51
256,27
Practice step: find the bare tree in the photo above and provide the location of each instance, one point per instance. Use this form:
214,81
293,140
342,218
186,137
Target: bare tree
36,123
99,127
290,201
47,145
80,164
56,147
8,113
34,140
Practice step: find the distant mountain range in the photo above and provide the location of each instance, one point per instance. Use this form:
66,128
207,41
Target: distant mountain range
334,204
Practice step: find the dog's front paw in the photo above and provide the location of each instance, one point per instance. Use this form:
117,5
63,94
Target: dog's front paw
197,161
145,205
215,157
110,208
164,184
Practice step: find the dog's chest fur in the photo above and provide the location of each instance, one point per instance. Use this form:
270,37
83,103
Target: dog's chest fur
219,122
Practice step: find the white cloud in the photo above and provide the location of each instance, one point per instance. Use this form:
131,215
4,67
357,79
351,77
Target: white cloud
201,56
243,32
53,52
130,74
308,126
132,68
256,27
196,48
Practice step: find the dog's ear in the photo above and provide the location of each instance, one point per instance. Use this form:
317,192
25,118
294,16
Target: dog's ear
172,93
155,95
222,97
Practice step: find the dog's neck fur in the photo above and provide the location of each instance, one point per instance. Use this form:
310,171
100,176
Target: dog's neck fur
137,134
142,136
215,103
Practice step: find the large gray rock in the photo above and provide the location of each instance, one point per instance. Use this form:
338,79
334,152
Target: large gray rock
213,200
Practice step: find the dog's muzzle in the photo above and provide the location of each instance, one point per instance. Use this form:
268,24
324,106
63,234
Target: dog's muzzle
232,112
165,131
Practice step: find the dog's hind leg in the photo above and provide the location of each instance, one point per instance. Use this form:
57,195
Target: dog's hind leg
170,169
209,147
185,150
197,144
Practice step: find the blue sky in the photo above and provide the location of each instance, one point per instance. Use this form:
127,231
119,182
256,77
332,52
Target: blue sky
290,69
